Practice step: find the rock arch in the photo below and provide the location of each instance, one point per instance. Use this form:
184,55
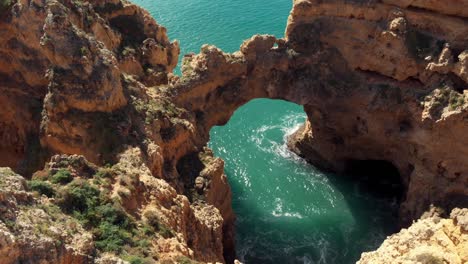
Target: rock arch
372,82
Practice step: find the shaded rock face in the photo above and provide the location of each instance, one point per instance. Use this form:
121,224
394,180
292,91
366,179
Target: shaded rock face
379,80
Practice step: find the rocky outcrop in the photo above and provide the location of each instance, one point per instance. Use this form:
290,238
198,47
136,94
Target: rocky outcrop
70,61
379,80
76,81
432,239
34,230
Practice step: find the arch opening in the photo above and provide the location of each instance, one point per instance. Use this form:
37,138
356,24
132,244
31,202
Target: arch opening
287,210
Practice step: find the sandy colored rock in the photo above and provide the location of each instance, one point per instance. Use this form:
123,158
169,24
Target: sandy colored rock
32,230
379,80
429,240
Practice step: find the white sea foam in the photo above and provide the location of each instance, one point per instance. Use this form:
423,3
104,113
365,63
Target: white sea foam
279,211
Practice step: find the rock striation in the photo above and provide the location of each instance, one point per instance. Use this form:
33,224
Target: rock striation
90,103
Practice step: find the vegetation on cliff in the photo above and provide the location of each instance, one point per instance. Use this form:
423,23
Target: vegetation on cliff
82,193
4,5
95,79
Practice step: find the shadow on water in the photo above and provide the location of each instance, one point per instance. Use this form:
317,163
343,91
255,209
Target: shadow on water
287,210
315,240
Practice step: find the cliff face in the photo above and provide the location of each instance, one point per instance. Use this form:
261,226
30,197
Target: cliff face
380,80
409,106
85,78
432,239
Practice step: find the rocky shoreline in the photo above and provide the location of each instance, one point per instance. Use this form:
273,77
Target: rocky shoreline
92,109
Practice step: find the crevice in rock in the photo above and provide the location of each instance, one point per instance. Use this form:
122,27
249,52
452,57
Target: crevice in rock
422,44
131,28
189,167
451,201
425,10
458,84
377,177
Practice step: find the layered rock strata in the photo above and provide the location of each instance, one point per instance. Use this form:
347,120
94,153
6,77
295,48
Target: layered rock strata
379,80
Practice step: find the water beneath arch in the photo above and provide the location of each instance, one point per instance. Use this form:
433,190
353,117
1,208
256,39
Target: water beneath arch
288,211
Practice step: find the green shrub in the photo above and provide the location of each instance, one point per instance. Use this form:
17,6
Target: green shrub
111,237
78,197
63,176
456,100
111,226
4,5
105,173
41,187
165,232
185,260
84,51
154,222
134,259
111,214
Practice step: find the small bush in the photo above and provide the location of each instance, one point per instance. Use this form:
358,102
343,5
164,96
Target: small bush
4,5
111,226
185,260
79,197
134,259
62,176
111,214
41,187
428,258
84,51
456,101
105,173
154,222
165,232
110,237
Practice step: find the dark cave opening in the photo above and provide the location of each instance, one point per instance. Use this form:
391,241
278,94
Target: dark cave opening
379,178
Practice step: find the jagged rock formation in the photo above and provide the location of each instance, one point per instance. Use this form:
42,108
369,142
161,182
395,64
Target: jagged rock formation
430,240
33,229
379,80
75,79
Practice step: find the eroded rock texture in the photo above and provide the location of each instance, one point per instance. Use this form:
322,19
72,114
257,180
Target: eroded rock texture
379,80
431,239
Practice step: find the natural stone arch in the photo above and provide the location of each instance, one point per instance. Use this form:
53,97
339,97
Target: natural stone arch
381,80
361,102
368,74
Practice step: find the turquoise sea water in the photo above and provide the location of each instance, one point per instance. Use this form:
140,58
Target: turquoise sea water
287,211
223,23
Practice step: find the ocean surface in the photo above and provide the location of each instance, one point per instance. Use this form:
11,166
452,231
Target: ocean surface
287,210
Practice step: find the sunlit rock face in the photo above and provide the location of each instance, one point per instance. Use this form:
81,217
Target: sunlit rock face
379,80
422,241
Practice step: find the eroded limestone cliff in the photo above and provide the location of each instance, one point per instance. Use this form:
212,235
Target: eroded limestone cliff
379,80
432,239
